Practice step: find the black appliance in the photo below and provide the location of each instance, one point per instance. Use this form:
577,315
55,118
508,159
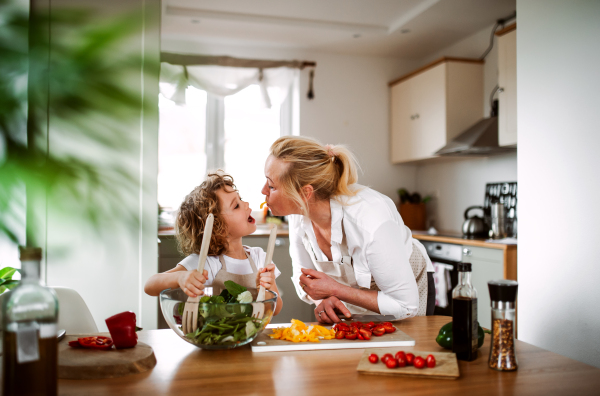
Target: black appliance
449,255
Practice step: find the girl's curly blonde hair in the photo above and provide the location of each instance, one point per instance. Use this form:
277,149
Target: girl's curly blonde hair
193,212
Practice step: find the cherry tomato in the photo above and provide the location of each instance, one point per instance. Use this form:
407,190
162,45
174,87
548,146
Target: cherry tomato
391,363
419,362
401,359
379,330
339,335
410,359
366,334
430,361
373,358
342,327
351,336
370,325
356,324
385,357
389,328
400,353
360,336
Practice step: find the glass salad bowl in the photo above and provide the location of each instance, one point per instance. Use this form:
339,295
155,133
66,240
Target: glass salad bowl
220,325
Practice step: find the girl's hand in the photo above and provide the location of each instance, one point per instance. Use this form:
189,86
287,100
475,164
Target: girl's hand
192,282
265,277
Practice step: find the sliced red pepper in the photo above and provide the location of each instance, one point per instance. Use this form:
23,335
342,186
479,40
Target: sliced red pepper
75,344
122,329
99,342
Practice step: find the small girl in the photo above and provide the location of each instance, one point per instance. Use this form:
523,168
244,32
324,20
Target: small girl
227,258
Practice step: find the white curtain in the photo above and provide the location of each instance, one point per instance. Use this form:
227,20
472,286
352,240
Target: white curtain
223,81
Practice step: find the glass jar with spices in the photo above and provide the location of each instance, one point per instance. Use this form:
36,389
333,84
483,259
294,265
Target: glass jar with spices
503,295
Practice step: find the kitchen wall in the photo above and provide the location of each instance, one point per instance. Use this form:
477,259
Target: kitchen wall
351,104
456,184
557,70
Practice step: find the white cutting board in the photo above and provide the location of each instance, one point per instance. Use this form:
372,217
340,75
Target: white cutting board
264,343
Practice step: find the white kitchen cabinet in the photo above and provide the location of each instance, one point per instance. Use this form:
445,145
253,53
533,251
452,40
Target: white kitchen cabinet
486,265
507,82
432,105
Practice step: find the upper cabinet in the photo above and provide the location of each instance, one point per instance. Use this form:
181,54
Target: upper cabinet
432,105
507,81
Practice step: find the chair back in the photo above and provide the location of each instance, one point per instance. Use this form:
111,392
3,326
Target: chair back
73,314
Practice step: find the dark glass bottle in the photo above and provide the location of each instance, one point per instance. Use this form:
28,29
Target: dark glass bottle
464,316
30,314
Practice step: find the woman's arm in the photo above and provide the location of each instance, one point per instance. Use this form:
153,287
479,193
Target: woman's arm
388,262
191,282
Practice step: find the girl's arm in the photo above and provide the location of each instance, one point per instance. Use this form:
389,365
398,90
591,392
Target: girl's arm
266,278
191,282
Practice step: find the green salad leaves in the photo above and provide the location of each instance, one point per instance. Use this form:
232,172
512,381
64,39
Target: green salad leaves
219,323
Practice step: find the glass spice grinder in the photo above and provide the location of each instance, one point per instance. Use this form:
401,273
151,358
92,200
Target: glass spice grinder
503,295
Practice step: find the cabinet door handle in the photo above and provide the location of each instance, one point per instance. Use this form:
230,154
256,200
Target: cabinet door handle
417,115
500,90
467,252
412,117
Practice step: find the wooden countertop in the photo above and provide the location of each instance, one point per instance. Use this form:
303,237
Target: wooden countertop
183,369
459,240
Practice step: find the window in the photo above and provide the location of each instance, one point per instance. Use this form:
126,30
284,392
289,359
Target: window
209,132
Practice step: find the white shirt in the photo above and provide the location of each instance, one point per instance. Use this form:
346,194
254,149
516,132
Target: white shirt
379,243
234,266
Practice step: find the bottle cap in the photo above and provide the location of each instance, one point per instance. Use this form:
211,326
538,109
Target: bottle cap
30,253
503,290
464,267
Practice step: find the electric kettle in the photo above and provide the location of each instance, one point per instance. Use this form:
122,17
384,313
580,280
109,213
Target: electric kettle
474,227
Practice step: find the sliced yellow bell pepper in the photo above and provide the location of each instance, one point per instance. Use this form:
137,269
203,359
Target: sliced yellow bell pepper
300,332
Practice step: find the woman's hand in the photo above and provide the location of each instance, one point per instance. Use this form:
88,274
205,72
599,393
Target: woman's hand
192,282
265,277
317,284
327,311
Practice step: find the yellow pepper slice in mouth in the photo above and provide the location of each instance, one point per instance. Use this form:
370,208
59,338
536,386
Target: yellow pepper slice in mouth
263,204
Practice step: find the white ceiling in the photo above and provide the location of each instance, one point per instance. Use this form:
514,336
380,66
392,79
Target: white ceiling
410,29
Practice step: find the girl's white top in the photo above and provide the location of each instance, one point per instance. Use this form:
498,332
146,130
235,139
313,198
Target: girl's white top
234,266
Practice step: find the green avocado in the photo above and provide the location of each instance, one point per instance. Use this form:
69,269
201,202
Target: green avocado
444,338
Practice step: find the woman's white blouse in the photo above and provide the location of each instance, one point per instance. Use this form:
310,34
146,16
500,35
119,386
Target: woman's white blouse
379,243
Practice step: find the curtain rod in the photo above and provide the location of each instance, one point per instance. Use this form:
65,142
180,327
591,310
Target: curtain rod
205,60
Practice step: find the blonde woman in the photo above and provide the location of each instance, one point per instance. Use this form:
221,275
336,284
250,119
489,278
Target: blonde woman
351,252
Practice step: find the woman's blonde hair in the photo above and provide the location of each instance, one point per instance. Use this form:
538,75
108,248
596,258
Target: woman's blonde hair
193,212
330,170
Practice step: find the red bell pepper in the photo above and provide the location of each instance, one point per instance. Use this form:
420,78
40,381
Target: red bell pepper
99,342
122,329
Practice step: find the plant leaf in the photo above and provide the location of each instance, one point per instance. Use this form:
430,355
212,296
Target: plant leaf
11,284
7,272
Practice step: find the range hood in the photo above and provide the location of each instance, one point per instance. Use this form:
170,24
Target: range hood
479,139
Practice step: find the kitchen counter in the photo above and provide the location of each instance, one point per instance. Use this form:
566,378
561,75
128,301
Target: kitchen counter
509,250
183,369
456,238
